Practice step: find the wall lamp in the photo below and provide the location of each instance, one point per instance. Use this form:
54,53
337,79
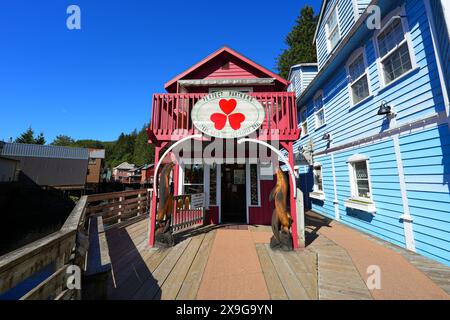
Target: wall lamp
327,137
385,110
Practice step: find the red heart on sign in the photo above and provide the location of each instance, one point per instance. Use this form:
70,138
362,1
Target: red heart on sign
227,106
236,120
219,120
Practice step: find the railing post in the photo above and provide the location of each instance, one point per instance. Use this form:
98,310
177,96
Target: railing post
120,208
139,205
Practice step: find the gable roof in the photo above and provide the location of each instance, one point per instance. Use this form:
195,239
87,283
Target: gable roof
125,166
43,151
216,55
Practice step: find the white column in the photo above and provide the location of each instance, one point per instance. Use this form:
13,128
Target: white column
335,201
406,217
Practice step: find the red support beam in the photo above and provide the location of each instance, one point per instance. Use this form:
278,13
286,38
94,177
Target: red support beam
154,198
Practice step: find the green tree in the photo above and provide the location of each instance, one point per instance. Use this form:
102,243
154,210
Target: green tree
28,137
40,139
63,141
300,43
144,153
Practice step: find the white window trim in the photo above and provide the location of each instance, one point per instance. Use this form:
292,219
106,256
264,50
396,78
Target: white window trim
303,134
316,96
248,182
181,189
385,23
241,89
356,202
317,194
327,31
352,59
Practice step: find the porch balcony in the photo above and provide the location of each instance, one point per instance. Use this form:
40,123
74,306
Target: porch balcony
171,116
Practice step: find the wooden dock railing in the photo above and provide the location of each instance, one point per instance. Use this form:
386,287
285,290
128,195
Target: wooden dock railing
186,216
49,265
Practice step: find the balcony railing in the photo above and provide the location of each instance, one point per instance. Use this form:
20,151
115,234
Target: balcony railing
171,116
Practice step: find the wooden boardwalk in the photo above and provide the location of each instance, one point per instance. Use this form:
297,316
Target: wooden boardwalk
324,270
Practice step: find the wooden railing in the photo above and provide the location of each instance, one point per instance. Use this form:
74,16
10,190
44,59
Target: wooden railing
71,246
186,217
171,115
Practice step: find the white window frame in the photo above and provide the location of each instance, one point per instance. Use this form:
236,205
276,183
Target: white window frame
387,20
304,122
351,82
316,118
181,176
353,181
316,193
328,32
240,89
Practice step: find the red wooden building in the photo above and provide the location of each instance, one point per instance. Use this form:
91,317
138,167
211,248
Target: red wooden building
236,192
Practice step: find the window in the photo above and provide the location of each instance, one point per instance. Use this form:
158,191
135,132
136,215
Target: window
319,110
332,30
304,123
358,79
317,172
393,50
359,178
193,179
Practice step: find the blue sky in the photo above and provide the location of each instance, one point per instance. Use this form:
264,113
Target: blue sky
98,81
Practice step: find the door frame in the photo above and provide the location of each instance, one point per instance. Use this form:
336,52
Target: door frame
247,177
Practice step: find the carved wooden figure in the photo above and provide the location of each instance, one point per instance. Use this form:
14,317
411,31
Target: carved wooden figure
163,233
281,219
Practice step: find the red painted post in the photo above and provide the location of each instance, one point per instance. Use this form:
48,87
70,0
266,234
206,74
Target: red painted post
293,203
153,212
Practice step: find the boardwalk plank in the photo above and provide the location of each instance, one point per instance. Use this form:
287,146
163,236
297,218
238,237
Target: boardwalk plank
151,287
273,282
291,284
192,281
304,267
174,281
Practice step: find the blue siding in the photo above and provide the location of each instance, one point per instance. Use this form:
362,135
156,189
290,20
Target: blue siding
300,77
414,96
426,161
346,20
443,38
362,5
386,194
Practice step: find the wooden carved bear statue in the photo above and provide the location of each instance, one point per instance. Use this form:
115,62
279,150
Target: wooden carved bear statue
281,218
163,231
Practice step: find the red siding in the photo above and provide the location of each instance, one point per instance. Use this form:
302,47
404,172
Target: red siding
263,215
230,70
212,215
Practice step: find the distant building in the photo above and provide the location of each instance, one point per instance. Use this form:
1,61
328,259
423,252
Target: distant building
134,176
52,166
95,165
147,173
8,169
122,171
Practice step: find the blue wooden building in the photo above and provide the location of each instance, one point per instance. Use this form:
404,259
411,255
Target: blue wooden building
375,146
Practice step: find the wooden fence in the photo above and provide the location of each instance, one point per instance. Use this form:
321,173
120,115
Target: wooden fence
185,216
71,247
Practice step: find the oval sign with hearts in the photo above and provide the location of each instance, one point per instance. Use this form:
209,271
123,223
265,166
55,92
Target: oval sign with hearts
228,114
